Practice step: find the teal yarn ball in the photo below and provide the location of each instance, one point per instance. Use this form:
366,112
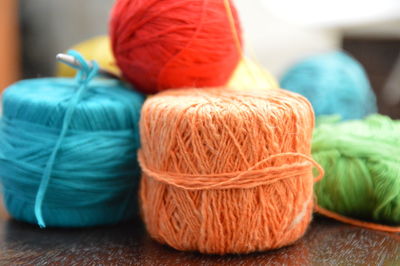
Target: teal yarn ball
361,159
334,83
68,150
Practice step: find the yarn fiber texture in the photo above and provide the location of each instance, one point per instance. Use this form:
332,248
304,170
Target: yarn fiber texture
226,171
335,84
362,164
86,177
173,44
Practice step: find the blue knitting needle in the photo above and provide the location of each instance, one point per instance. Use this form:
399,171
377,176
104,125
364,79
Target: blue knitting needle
70,60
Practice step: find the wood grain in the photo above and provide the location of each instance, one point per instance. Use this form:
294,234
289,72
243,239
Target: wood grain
326,243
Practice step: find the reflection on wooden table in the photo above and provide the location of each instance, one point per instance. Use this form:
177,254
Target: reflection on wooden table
326,243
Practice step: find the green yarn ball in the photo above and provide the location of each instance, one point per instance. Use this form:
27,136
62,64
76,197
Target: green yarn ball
362,168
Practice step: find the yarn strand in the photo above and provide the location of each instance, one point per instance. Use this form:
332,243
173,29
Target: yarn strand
249,70
246,179
84,78
233,28
355,222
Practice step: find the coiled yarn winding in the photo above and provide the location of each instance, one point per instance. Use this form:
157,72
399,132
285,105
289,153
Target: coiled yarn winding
68,150
226,171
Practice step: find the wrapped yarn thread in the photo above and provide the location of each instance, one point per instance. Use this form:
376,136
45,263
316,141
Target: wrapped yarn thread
160,45
68,150
334,83
362,181
226,171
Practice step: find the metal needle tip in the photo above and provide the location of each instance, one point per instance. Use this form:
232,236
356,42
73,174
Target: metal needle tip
70,60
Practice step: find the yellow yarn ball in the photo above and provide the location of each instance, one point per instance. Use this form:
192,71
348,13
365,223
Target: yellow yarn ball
251,76
97,48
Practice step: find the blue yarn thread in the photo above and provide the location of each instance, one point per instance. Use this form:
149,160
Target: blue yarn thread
84,77
334,83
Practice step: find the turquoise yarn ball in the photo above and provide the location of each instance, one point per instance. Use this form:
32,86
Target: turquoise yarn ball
94,175
334,83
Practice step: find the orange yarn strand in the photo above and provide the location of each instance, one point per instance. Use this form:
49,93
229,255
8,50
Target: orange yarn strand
227,171
355,222
233,27
246,179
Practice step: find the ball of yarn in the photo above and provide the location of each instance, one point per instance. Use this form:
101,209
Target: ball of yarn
361,161
334,83
68,151
250,76
173,44
97,48
226,171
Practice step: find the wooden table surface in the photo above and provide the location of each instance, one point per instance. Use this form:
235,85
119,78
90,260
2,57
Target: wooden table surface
327,242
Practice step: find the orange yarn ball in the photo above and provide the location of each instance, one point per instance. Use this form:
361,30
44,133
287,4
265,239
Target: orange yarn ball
226,171
167,44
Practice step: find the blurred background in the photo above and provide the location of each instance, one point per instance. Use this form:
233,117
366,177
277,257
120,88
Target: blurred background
277,32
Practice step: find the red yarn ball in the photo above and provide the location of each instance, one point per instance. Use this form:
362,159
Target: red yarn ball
162,44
